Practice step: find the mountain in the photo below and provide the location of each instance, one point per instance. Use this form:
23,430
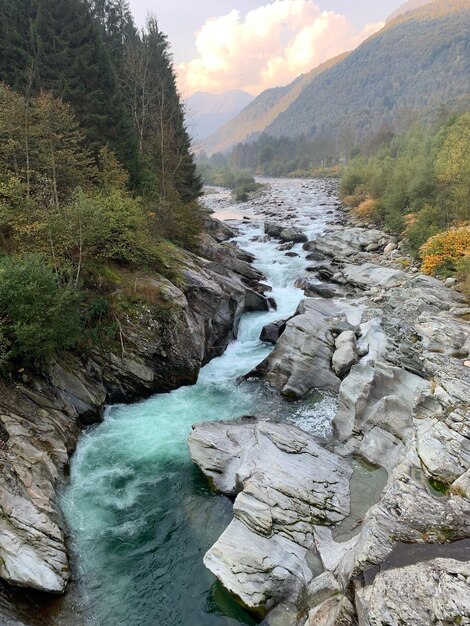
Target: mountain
411,5
207,112
419,61
263,110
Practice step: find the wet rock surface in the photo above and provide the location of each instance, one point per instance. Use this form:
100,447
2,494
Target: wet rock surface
393,344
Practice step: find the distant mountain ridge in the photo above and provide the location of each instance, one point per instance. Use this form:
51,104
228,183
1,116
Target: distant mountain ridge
420,60
263,110
411,5
207,112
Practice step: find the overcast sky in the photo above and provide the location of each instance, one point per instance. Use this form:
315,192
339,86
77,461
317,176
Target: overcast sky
250,44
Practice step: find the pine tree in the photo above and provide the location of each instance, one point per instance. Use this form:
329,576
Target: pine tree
158,113
73,62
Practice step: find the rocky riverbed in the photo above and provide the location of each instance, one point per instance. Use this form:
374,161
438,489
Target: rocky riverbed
393,345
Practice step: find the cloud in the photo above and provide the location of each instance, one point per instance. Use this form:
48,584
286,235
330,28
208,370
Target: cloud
268,47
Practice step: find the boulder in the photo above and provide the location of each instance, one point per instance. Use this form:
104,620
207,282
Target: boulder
271,332
434,592
390,247
255,301
369,275
301,359
346,354
345,242
273,229
220,231
285,483
312,287
293,234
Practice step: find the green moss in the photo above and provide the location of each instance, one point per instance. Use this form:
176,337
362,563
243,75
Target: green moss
438,487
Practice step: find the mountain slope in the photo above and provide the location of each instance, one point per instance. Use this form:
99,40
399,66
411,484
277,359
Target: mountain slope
263,110
421,59
208,111
411,5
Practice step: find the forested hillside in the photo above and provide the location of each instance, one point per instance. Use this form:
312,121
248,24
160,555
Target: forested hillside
418,185
96,174
419,61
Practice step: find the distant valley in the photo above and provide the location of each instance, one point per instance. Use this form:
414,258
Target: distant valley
207,112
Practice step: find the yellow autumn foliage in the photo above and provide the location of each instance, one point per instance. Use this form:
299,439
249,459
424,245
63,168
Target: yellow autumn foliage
367,210
446,251
353,200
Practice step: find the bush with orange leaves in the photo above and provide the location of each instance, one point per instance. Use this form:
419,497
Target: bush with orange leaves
353,200
367,210
444,253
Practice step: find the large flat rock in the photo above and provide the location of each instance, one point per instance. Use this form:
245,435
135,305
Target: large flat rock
286,483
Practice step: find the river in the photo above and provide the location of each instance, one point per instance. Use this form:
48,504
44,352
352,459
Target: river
141,516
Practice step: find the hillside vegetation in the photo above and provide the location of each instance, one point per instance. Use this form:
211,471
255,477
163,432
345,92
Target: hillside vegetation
96,175
418,185
419,61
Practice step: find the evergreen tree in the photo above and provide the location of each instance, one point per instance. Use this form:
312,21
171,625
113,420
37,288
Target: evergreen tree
73,62
166,144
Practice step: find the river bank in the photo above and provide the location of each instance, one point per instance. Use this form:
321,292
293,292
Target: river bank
394,345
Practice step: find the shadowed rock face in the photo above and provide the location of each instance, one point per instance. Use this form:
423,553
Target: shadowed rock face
41,415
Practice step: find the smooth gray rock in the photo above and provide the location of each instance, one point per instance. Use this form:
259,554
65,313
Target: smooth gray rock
346,242
301,360
293,234
346,354
369,275
378,395
285,483
314,288
407,512
435,592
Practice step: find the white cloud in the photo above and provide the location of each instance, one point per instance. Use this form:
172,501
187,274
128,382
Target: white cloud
270,46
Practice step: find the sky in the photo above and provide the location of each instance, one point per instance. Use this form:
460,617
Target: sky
221,45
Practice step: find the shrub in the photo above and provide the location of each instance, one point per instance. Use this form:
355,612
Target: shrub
41,316
442,254
367,210
419,227
463,275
